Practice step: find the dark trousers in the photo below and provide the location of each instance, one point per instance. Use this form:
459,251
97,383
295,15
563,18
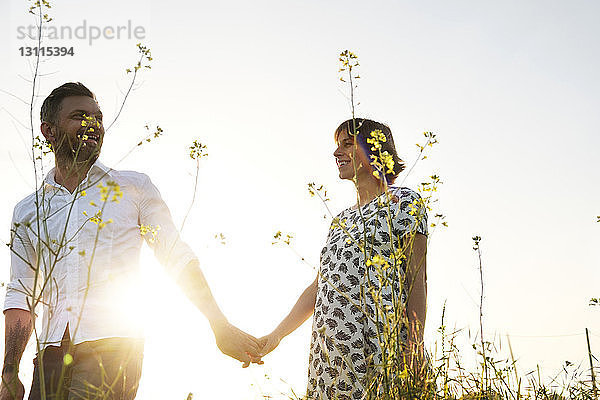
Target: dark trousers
107,369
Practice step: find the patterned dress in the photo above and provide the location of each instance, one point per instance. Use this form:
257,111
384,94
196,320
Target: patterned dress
344,348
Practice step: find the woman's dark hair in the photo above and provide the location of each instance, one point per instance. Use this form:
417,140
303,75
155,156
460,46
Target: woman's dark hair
52,104
361,129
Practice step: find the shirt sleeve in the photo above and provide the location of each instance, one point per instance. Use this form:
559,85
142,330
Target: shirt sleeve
412,212
159,231
23,264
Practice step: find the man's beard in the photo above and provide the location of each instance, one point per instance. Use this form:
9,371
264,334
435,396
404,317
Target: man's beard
74,154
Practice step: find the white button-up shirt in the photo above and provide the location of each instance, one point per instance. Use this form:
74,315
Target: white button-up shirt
77,254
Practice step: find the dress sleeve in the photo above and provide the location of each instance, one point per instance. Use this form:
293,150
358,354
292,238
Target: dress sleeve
23,264
160,232
412,212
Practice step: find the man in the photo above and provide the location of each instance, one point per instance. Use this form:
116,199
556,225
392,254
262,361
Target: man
75,248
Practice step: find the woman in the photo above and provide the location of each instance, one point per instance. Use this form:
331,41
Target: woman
369,296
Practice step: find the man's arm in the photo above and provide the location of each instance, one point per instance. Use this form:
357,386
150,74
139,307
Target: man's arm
181,262
18,327
230,340
17,316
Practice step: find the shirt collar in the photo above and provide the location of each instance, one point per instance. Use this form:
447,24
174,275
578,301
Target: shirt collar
96,168
99,166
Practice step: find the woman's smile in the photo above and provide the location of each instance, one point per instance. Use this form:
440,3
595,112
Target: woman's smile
341,163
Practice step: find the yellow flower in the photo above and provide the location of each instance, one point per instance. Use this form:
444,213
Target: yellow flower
375,143
83,193
111,186
67,359
378,135
413,209
197,150
376,260
116,189
388,161
145,229
97,218
404,373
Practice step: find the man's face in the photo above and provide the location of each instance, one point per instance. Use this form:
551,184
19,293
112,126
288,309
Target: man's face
79,132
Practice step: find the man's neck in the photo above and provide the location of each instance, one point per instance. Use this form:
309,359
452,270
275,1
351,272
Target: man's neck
72,174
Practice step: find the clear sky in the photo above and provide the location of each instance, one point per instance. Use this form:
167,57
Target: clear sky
510,88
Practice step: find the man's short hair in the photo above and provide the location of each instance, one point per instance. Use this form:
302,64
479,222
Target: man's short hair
52,104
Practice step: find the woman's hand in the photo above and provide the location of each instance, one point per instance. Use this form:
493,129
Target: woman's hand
269,342
300,312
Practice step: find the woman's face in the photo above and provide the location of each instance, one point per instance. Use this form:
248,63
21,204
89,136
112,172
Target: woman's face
347,154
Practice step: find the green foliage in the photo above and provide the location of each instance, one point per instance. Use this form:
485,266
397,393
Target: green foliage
282,238
37,8
155,134
197,150
144,60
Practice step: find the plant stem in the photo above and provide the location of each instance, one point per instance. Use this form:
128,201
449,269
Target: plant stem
485,371
595,390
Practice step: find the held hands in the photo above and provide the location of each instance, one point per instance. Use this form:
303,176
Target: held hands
242,346
237,343
269,342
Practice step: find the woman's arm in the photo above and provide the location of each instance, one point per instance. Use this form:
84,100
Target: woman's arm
416,308
303,309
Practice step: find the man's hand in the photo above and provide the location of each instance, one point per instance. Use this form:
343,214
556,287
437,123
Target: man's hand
236,343
11,387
